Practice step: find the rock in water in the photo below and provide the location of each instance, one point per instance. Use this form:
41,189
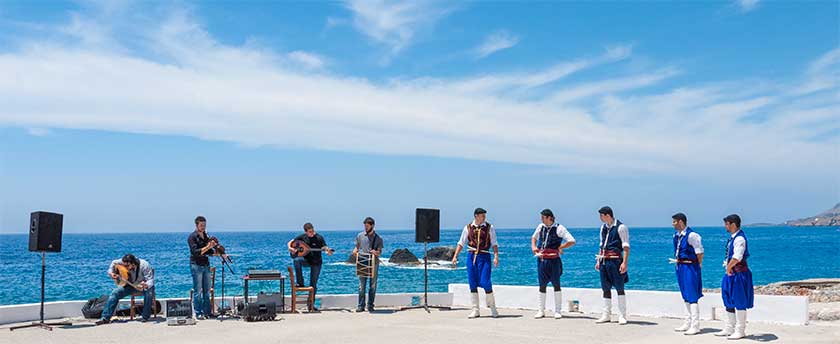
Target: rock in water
444,253
403,256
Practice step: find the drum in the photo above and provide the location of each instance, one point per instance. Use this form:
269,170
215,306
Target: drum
366,265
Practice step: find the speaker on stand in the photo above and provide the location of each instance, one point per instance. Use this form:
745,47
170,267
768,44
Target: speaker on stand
44,236
426,230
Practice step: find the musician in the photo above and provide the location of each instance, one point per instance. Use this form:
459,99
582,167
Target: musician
737,284
368,242
140,279
201,247
688,253
548,242
479,236
615,241
312,259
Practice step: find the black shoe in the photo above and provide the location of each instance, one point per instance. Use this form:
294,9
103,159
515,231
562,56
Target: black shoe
370,309
102,322
360,309
300,285
144,320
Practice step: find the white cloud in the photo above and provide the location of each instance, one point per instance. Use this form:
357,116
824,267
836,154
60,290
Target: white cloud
747,5
38,131
307,60
496,41
395,23
196,86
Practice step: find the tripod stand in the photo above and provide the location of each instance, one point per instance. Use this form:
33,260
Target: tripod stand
42,324
223,312
425,304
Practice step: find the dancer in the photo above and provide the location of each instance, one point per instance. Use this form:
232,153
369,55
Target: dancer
736,289
479,236
548,242
688,257
615,240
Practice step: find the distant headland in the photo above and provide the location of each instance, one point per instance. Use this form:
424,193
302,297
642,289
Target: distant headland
829,218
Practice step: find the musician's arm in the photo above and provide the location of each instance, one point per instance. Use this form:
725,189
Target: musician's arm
289,245
148,276
111,273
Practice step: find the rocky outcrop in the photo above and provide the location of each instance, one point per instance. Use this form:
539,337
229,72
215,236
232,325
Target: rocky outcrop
823,295
444,253
403,256
829,217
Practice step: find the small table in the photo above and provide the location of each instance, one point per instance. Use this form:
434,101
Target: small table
280,278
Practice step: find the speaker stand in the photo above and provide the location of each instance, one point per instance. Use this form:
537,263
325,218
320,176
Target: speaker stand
425,304
41,324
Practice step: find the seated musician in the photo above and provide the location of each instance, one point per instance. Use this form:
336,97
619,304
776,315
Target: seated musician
312,259
140,279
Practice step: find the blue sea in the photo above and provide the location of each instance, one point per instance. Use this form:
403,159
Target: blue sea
79,271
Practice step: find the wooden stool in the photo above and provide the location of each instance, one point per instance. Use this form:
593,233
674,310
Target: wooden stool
310,299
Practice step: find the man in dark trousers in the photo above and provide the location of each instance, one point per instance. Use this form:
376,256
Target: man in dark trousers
612,263
312,259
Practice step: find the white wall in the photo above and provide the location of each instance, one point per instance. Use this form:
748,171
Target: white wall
70,309
791,310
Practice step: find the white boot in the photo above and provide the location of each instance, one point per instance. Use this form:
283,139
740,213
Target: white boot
605,314
695,320
474,302
622,310
558,304
687,322
728,325
541,311
740,325
491,303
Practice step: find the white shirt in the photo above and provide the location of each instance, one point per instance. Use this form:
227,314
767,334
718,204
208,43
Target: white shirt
623,233
694,240
739,245
561,232
463,241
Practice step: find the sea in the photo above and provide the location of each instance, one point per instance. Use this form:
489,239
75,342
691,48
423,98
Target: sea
78,272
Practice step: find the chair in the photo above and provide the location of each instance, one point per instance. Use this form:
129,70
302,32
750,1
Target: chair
310,298
139,294
212,290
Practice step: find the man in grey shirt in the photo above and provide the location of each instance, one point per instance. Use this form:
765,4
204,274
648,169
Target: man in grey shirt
140,279
368,243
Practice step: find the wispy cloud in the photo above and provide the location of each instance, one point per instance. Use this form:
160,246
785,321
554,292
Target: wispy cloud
194,85
394,24
747,5
496,41
307,60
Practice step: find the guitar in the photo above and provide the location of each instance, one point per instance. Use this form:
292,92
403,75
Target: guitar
122,277
301,249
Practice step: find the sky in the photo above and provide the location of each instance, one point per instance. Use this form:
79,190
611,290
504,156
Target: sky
131,116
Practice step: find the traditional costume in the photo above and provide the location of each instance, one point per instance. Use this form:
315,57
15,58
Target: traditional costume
614,238
479,238
687,245
737,289
549,264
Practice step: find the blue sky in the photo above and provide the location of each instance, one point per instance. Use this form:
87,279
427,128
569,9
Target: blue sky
137,116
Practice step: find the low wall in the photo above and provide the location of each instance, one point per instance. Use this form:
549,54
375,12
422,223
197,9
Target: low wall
790,310
71,309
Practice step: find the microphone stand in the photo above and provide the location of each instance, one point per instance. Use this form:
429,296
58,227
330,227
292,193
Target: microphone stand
223,313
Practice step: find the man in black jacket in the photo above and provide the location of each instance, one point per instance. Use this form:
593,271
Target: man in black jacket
200,248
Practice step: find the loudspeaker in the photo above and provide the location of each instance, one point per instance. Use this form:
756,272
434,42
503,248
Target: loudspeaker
427,225
45,231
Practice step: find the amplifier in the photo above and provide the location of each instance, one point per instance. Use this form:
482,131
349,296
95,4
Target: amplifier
179,312
260,311
254,274
276,298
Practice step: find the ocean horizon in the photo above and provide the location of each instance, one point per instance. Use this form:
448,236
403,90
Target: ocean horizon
79,271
